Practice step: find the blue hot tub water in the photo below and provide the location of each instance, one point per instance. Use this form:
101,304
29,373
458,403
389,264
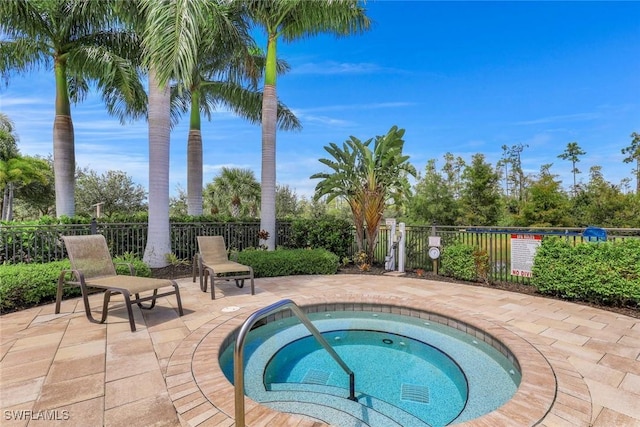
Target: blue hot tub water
433,372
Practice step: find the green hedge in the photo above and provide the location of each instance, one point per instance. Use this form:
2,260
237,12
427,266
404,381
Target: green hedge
457,261
332,234
289,262
27,285
465,262
605,273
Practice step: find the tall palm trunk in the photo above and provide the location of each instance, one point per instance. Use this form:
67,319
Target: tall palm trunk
235,208
64,160
194,159
9,213
4,214
268,174
269,119
159,237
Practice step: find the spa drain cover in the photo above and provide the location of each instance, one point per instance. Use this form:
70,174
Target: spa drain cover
315,376
415,393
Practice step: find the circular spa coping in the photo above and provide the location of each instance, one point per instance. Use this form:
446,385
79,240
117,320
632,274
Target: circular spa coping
549,384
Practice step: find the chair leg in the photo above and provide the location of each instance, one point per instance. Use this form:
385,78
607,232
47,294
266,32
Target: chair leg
203,280
194,268
105,305
60,291
127,300
202,271
213,288
87,307
153,300
175,286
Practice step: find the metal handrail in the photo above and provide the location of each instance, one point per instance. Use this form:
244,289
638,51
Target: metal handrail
238,354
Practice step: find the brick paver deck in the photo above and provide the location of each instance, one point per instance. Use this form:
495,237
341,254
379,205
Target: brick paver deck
63,370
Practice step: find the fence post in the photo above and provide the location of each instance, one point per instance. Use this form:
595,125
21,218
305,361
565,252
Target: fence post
94,226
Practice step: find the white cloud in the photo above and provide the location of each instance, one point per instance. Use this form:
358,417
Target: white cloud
326,120
561,118
345,107
333,67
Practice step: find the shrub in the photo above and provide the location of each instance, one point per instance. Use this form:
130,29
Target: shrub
483,267
27,285
332,234
605,273
289,262
141,268
457,261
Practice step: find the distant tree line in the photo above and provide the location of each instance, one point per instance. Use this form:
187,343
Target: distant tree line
361,183
479,193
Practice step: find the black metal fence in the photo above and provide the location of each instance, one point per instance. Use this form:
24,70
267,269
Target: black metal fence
42,243
495,240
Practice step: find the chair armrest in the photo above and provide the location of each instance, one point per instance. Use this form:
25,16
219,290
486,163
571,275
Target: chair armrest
132,269
76,276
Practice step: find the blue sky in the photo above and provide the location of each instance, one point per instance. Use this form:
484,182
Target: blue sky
460,77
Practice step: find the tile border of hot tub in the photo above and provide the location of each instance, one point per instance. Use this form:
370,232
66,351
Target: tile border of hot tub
547,378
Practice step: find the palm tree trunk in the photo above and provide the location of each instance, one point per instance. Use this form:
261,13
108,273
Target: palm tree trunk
268,174
194,173
64,160
269,120
5,203
9,215
159,238
194,158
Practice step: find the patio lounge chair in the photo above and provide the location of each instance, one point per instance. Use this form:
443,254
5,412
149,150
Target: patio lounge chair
212,261
92,267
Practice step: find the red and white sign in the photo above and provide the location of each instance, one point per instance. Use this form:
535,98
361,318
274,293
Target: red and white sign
523,250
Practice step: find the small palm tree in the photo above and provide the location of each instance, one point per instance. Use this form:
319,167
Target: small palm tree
367,179
8,138
343,182
291,20
84,43
15,170
237,190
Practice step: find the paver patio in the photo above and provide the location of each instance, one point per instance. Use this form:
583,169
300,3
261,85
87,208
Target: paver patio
63,370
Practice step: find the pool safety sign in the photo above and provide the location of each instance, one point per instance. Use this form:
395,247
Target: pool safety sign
523,249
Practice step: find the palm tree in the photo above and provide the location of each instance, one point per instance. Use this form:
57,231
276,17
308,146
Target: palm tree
385,171
367,179
236,188
171,33
8,138
15,170
291,20
343,182
84,43
219,79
